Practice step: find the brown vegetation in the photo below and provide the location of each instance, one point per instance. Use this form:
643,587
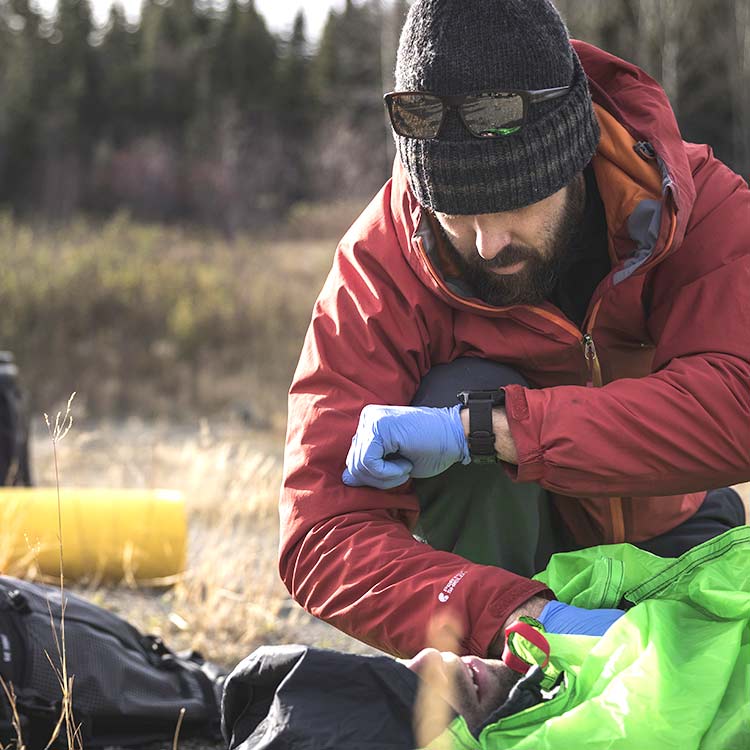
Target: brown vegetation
161,321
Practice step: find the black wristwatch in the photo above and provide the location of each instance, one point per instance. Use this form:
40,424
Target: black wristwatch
481,437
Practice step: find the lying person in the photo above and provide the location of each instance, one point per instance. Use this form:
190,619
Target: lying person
672,672
298,696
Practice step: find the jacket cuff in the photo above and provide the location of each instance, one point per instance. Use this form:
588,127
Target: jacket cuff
498,611
525,435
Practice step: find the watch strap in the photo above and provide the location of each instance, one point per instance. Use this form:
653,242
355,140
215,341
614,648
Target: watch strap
481,438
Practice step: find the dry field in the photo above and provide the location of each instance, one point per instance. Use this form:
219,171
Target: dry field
230,598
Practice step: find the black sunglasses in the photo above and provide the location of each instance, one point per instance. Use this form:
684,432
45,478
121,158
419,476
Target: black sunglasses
489,114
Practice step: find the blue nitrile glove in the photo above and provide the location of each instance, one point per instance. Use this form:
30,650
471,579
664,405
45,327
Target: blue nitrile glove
565,618
394,443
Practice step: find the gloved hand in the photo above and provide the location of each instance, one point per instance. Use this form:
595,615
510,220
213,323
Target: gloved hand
394,443
565,618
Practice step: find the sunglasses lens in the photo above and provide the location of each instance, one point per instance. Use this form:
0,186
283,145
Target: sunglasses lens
416,115
493,114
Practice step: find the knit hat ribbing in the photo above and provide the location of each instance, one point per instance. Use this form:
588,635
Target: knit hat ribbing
454,47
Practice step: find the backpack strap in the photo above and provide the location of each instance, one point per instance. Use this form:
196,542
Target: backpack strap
209,679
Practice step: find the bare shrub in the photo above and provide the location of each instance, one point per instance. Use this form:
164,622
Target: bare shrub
155,320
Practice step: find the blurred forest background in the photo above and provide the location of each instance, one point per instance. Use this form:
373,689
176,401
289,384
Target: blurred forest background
149,172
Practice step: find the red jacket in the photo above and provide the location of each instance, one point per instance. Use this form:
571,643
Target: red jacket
670,327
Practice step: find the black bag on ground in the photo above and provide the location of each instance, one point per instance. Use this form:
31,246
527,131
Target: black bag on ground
14,426
128,688
305,698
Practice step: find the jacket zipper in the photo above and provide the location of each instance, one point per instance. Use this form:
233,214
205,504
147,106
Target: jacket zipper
615,503
592,361
646,151
595,381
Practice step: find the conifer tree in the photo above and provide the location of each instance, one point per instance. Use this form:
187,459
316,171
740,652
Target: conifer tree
296,112
245,58
167,54
120,78
17,38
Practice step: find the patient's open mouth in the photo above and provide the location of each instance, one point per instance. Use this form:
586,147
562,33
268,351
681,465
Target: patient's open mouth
476,674
474,679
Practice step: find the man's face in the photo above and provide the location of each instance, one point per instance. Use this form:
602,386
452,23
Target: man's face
516,257
473,687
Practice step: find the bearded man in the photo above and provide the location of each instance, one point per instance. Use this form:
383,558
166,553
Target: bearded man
537,333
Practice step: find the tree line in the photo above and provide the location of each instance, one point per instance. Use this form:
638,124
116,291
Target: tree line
196,113
200,113
699,50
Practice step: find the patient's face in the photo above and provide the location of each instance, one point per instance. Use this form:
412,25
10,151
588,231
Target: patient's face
473,687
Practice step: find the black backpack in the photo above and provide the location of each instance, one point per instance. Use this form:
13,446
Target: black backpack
128,688
14,426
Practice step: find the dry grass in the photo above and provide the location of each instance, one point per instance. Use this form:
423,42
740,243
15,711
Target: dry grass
230,600
15,719
57,431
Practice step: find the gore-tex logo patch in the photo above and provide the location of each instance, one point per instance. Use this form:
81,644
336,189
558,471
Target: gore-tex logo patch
445,594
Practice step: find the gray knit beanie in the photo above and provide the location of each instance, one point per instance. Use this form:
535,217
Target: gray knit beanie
453,47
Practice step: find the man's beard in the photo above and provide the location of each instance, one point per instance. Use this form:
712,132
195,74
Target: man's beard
542,270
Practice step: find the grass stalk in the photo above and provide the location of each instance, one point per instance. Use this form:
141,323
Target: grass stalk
10,694
61,427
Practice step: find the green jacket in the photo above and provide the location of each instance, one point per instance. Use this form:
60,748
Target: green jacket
674,672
